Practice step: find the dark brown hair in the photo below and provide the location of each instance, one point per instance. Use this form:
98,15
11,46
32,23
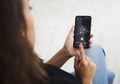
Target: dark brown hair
18,62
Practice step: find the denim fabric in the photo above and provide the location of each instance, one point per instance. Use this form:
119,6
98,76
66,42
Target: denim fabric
102,75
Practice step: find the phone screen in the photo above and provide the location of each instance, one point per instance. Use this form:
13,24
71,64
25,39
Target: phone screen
82,31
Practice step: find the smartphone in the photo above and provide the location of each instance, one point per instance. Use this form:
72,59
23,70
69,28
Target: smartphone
82,31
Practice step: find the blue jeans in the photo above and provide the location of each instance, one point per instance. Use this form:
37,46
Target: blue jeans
102,75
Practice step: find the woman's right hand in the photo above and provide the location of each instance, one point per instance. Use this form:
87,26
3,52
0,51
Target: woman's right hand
84,66
68,45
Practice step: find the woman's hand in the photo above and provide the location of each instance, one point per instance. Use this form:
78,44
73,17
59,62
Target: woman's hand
66,52
68,46
84,66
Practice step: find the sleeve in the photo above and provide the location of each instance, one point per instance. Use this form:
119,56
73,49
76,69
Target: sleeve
58,76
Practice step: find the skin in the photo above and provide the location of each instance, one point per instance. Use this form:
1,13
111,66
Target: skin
84,64
30,34
66,52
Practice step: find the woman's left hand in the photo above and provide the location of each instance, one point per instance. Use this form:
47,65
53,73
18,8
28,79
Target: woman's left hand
68,45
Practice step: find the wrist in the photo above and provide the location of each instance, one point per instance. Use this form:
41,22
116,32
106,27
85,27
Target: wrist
65,51
87,82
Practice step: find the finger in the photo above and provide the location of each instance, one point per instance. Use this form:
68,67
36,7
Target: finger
87,58
91,35
90,43
76,61
90,60
82,52
84,62
77,52
71,30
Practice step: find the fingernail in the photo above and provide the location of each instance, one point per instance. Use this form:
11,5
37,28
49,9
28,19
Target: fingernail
80,45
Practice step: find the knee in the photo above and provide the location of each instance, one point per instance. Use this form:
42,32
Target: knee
98,47
96,52
111,75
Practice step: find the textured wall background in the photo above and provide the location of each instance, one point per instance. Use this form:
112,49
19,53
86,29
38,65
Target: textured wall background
54,18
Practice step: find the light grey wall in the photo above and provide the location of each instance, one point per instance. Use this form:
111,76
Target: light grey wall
54,18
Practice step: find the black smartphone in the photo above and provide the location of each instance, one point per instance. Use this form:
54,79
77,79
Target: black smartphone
82,31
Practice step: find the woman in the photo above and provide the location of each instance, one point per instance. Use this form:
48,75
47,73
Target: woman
19,64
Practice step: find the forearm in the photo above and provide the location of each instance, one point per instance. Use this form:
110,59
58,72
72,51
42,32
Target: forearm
59,58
